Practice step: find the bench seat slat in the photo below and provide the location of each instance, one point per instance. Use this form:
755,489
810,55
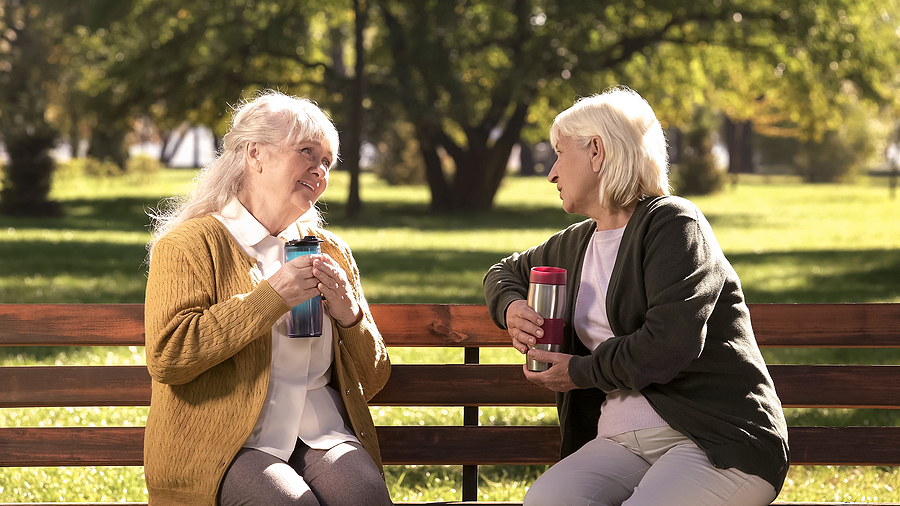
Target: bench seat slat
843,386
854,446
71,446
424,445
421,445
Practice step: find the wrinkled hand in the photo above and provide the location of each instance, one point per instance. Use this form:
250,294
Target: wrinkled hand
523,325
294,281
309,275
335,287
555,378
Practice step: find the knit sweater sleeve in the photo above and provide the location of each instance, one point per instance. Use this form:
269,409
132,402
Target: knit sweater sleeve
508,280
190,326
662,294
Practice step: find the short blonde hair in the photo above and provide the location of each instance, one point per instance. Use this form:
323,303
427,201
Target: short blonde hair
636,162
271,119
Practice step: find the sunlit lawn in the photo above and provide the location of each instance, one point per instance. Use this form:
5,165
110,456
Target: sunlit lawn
789,243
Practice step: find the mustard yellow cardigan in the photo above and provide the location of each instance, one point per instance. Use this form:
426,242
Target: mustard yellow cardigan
208,319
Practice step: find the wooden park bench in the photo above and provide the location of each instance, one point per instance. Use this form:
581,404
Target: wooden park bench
469,385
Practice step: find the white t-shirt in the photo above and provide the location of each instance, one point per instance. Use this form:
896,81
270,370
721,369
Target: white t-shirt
299,402
623,410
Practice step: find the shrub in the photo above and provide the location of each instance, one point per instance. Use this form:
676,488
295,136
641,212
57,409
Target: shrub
839,156
697,173
143,167
399,161
27,177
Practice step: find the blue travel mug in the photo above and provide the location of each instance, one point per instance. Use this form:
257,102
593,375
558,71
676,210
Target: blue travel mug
306,317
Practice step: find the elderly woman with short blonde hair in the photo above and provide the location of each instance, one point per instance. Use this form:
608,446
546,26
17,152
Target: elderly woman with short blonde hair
662,393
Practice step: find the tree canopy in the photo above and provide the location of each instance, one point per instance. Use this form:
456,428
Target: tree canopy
472,77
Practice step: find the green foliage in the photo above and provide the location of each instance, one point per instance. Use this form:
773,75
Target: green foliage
398,158
461,73
842,154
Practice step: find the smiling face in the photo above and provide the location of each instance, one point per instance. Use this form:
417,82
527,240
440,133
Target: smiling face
286,180
575,174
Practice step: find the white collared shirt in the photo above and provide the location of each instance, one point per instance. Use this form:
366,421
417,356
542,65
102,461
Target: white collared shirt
299,402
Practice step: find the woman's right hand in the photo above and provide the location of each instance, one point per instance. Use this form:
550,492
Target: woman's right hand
523,325
294,281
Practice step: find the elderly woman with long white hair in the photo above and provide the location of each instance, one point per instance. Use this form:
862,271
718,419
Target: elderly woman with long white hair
241,413
662,393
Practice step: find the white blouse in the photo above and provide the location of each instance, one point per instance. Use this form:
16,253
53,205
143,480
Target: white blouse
299,403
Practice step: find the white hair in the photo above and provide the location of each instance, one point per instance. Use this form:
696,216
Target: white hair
271,119
636,163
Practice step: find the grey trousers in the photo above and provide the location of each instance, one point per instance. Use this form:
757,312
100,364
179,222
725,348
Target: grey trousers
345,475
649,467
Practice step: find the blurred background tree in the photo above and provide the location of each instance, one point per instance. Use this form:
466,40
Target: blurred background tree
697,173
30,54
473,75
460,83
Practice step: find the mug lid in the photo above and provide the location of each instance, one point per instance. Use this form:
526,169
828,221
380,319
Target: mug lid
548,275
309,240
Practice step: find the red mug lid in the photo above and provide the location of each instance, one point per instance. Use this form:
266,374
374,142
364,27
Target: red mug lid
548,275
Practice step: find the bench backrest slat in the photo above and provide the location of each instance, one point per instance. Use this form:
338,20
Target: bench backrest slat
775,325
827,325
71,324
810,386
843,386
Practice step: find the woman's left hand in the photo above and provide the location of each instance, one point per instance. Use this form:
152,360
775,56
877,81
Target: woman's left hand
555,378
335,287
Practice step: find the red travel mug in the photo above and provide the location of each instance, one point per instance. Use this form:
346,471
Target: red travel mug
547,296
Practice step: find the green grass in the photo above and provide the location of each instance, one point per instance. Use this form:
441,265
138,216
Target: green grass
788,242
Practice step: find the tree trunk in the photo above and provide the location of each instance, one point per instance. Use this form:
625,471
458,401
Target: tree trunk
28,177
526,160
441,196
739,140
480,170
354,144
108,143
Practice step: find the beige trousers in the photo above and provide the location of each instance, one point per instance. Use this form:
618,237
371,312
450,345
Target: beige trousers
649,467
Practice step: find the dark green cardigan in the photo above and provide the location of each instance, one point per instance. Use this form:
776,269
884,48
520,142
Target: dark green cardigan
682,337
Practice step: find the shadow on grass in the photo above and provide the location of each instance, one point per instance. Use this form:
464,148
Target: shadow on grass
77,258
419,216
126,214
824,276
433,276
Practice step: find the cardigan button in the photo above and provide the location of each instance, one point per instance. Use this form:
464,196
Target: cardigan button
347,392
362,433
341,342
